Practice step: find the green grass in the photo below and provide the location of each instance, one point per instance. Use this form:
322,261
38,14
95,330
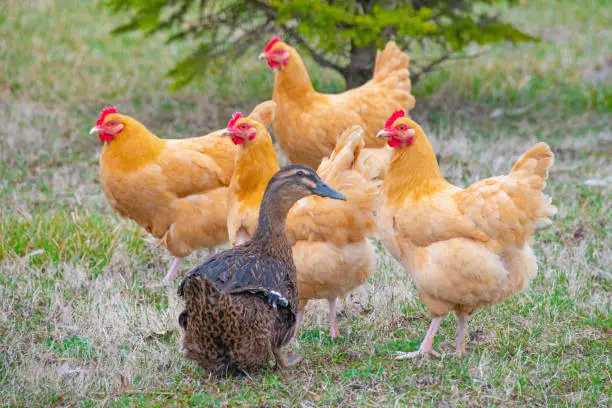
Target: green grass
84,323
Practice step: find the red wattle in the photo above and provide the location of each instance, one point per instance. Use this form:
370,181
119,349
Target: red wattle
393,142
105,137
237,140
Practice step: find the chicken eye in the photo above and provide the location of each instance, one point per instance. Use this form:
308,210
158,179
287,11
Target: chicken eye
402,127
243,126
278,51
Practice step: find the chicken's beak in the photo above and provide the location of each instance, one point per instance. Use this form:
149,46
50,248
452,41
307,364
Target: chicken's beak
262,56
95,130
227,132
384,134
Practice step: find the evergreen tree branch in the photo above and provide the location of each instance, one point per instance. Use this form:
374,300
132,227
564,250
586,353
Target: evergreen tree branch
433,65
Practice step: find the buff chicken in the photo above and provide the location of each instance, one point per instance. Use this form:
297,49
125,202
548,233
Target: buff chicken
176,189
308,122
466,249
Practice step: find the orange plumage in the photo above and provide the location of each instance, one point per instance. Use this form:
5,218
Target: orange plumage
465,249
176,189
251,176
330,249
308,122
373,163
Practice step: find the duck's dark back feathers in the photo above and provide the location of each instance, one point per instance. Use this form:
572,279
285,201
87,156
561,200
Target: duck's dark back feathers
245,269
215,333
240,306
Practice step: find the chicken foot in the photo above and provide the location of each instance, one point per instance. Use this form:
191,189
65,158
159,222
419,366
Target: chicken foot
427,345
333,319
282,363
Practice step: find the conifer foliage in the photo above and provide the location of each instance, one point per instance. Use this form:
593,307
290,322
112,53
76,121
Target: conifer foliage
339,34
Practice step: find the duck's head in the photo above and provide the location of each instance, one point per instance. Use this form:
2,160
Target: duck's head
297,181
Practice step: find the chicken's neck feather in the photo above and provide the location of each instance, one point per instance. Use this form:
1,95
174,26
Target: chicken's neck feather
255,165
292,81
134,148
413,172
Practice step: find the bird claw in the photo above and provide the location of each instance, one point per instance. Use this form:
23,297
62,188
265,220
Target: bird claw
281,363
333,332
294,360
413,354
460,349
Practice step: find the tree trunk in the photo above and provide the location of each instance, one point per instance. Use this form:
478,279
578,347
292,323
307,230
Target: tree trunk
361,67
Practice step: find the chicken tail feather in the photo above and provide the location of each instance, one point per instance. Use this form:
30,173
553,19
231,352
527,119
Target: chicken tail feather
534,165
348,147
532,168
392,63
339,171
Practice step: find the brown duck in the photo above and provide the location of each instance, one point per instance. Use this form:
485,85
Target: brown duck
241,304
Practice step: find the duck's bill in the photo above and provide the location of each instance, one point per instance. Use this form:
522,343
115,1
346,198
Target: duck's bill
324,190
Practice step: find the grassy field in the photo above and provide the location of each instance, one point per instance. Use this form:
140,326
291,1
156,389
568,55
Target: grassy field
84,323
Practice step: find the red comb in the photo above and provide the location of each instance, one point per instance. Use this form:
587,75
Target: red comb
235,117
104,113
271,44
397,114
